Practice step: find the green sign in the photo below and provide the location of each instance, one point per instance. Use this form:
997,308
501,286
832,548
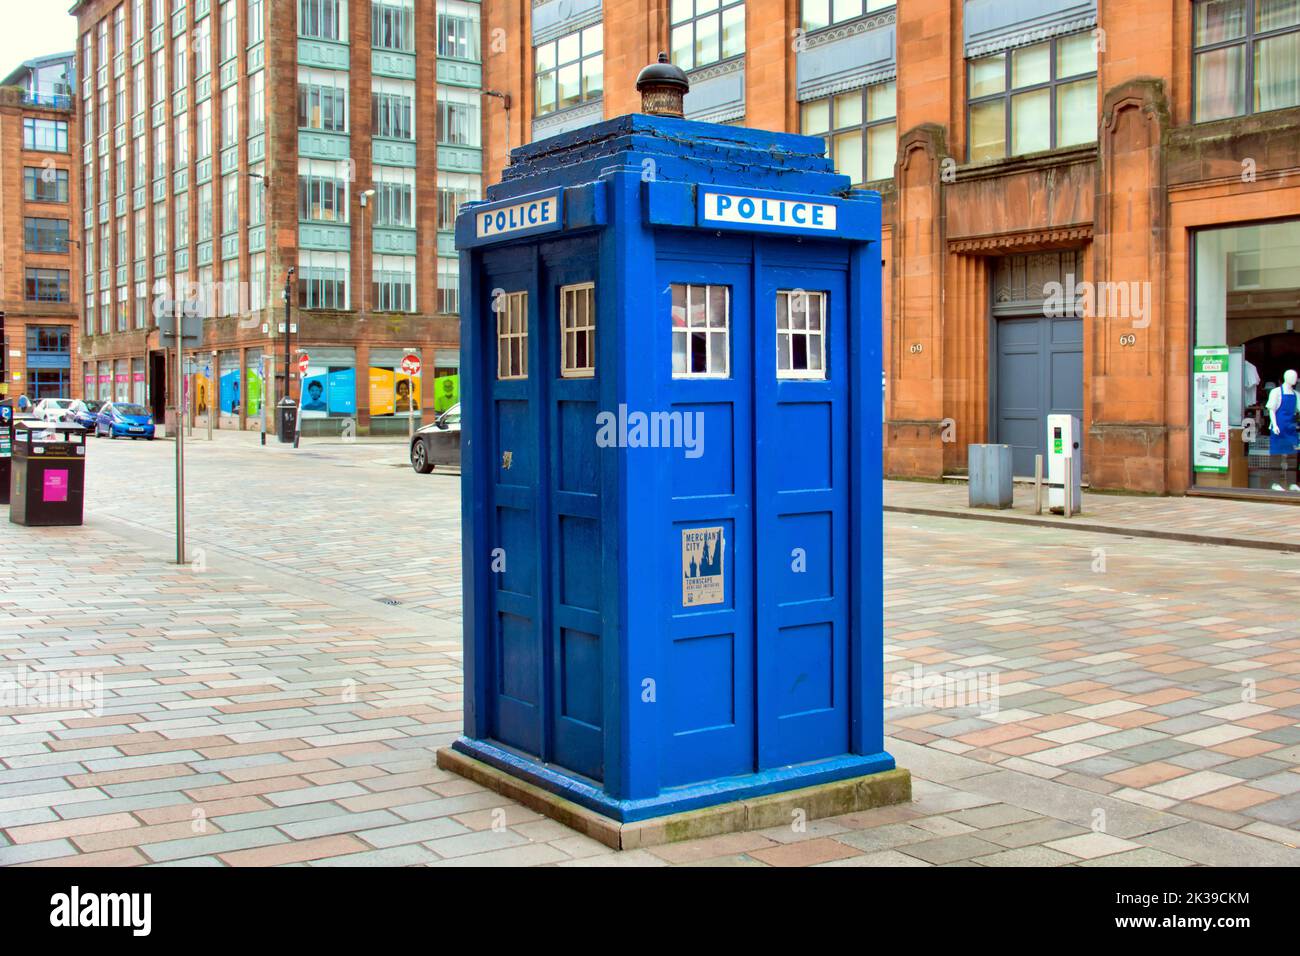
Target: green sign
1210,425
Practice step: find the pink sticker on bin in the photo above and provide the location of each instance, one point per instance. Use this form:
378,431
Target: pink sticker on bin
56,485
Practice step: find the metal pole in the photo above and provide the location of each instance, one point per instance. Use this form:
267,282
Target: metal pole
212,392
410,414
1038,484
180,438
1069,486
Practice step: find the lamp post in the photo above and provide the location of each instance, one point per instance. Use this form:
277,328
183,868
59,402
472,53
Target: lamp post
364,199
505,102
267,392
288,329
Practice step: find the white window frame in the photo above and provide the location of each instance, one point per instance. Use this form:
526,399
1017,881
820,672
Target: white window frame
512,327
576,322
708,330
786,299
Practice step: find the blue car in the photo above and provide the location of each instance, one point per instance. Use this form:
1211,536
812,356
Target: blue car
124,420
85,413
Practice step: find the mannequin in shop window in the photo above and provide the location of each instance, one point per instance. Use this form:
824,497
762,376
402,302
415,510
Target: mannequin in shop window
1284,438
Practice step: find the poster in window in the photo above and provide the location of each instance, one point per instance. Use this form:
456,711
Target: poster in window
703,580
393,392
446,392
1210,409
331,391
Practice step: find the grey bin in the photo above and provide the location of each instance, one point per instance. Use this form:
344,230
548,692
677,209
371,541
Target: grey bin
990,476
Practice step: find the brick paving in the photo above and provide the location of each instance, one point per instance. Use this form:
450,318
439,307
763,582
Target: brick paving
1137,701
1270,525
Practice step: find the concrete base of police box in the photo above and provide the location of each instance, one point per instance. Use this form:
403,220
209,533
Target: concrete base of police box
756,813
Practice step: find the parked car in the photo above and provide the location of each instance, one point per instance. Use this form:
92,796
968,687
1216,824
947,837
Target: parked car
438,443
84,413
53,409
124,419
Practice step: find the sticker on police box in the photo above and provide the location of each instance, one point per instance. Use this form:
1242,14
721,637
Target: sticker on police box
702,574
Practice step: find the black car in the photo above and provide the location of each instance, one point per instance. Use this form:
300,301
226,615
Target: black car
439,443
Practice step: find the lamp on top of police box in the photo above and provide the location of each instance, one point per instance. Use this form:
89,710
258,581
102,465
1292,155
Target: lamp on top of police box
663,87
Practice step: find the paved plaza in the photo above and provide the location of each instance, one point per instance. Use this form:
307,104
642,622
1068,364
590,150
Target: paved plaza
1062,697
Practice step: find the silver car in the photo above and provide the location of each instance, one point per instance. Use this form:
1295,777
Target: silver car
438,443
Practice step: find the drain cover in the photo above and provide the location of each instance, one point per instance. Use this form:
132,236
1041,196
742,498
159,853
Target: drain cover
391,602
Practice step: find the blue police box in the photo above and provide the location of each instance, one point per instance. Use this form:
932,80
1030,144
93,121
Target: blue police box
670,344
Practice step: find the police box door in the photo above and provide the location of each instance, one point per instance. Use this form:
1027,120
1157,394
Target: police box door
801,511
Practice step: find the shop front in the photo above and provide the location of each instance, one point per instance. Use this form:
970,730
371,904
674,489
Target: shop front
1245,359
394,395
329,390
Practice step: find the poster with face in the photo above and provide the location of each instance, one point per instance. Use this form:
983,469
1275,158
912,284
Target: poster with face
253,375
446,392
230,392
329,391
393,392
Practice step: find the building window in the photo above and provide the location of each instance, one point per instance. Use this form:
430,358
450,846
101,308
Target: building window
204,211
181,125
860,131
322,192
392,26
45,184
706,31
392,113
203,137
160,76
229,116
454,190
1032,98
800,334
458,29
256,21
1246,57
569,71
512,336
321,19
257,103
45,136
394,284
49,339
323,280
47,285
823,13
48,383
230,203
448,286
45,235
229,31
159,228
181,211
322,107
578,330
458,116
701,331
257,196
394,199
159,152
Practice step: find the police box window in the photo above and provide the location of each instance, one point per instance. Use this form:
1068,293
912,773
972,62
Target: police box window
800,334
578,330
512,335
701,331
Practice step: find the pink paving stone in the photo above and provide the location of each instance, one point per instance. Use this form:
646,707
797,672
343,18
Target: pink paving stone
1165,696
61,829
693,851
221,751
122,856
107,721
1052,721
85,743
1245,746
1147,774
165,746
249,788
1235,798
256,705
106,778
1023,745
344,775
805,853
236,691
297,852
392,798
486,819
995,735
139,836
268,771
210,808
337,750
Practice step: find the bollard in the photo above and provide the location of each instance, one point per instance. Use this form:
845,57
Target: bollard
1038,484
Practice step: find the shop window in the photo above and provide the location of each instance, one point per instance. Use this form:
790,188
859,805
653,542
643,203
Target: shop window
706,31
329,389
1246,57
578,330
569,71
701,331
1246,349
393,393
800,334
512,335
860,130
1032,98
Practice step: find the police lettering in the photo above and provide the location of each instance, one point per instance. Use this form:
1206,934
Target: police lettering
525,215
760,211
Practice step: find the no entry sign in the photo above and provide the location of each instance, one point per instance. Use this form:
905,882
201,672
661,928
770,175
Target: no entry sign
411,364
303,361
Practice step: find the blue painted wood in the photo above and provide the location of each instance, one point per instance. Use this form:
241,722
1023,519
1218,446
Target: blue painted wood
587,671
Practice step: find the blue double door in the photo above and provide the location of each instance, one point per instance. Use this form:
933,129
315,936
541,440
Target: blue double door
547,560
756,664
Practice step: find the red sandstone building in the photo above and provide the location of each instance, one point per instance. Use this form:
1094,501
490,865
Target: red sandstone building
39,273
1084,201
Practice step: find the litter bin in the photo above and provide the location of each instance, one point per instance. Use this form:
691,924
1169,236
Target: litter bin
989,469
288,417
48,479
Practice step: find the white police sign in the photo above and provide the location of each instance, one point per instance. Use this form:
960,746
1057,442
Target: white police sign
768,212
531,215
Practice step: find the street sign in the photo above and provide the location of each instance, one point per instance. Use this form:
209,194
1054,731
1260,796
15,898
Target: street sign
411,364
304,360
191,329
